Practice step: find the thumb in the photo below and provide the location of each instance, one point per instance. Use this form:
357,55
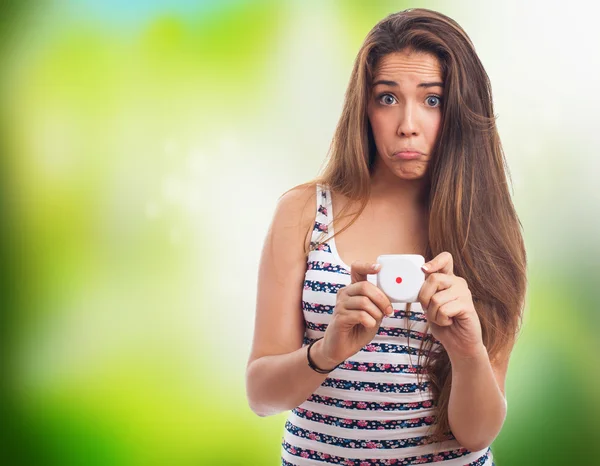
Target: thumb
360,269
443,263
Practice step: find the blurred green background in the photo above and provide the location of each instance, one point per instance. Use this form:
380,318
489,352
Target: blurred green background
144,146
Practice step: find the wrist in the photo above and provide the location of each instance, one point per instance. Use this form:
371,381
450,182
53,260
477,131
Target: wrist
473,356
320,360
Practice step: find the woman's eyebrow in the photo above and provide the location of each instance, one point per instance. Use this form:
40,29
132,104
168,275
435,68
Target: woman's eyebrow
395,84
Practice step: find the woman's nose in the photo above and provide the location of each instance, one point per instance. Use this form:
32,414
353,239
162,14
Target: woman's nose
407,125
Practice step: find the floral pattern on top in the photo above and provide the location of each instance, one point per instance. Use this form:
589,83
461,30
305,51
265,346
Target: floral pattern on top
383,367
352,443
320,227
383,330
315,246
328,309
385,348
418,316
370,405
421,459
327,287
384,387
368,424
327,267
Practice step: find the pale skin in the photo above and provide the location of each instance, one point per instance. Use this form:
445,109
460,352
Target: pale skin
404,112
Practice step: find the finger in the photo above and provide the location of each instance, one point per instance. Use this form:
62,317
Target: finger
433,283
438,314
371,291
448,311
353,317
453,309
441,319
360,269
364,303
443,263
440,298
366,320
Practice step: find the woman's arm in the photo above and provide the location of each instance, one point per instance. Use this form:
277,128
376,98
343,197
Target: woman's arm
278,383
278,377
477,406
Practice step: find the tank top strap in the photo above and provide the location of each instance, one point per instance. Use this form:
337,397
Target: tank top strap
323,216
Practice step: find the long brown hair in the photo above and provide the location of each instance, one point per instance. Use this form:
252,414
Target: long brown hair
471,214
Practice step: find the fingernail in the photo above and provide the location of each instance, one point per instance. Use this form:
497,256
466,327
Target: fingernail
390,310
376,266
425,268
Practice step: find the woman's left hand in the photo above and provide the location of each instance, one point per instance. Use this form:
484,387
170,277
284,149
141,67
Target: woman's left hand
448,304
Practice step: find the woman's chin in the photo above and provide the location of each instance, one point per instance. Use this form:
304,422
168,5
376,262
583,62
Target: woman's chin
410,174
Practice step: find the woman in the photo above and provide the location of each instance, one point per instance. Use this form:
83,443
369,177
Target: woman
416,162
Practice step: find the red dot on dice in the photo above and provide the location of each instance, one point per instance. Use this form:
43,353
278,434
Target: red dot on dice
399,280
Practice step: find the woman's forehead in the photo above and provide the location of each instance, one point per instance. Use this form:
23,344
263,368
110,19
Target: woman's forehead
406,65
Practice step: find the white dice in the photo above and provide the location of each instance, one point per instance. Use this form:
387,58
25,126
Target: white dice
401,276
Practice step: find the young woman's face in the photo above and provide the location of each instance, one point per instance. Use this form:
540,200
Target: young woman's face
405,111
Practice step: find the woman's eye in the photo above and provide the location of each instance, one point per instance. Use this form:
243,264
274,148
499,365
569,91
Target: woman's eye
434,101
390,99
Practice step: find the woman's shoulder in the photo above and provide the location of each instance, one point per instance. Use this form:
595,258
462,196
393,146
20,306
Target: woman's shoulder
299,203
306,190
298,198
297,208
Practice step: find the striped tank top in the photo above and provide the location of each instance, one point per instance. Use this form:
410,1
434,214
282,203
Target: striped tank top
371,410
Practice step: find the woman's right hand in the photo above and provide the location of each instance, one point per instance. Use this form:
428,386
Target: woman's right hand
359,310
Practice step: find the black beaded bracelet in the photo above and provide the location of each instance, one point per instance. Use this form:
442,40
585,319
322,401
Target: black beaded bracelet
311,363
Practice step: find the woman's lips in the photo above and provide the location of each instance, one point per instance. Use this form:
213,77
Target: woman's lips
407,155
